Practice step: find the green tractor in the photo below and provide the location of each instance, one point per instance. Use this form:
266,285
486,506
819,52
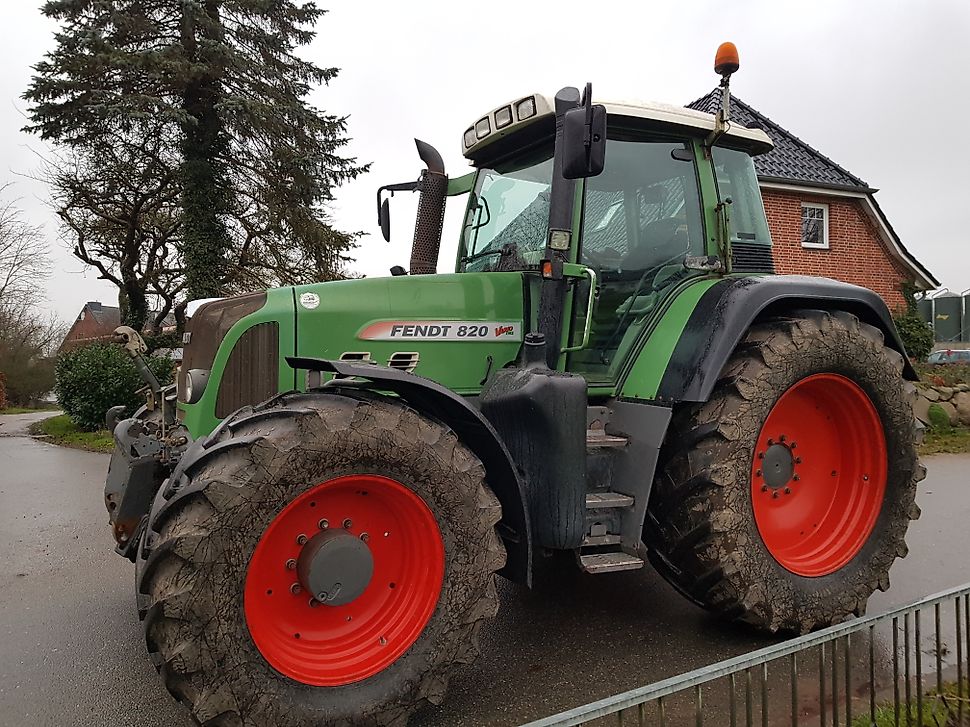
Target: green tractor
319,508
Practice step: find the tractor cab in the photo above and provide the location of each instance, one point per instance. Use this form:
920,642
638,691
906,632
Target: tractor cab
649,222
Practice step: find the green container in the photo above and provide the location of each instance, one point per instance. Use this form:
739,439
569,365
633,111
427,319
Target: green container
924,307
947,317
966,319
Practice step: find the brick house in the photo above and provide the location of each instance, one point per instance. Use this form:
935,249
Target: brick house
823,219
95,322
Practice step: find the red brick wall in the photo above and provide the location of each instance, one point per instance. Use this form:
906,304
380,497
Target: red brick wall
856,254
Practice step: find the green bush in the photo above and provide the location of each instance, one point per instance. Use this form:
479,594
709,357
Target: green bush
92,379
916,334
939,419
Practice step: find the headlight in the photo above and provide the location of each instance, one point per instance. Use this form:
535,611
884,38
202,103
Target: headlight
525,108
503,117
195,381
482,127
470,138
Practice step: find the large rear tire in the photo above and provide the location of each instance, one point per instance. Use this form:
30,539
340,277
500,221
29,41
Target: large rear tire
784,499
229,621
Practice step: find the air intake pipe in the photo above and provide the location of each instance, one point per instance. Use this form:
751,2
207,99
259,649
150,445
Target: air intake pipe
431,211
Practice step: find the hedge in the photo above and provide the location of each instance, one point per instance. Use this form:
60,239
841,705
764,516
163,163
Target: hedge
92,379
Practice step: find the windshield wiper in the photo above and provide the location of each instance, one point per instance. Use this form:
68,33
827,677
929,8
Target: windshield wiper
483,253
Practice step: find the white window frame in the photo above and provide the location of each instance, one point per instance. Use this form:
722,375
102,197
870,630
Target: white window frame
825,225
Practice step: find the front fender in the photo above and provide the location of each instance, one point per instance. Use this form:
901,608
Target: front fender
475,432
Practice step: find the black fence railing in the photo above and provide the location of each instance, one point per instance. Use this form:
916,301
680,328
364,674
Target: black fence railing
905,668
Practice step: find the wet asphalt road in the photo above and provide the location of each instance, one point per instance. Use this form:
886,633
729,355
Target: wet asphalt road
71,649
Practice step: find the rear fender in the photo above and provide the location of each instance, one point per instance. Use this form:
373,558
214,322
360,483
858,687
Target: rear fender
727,310
439,402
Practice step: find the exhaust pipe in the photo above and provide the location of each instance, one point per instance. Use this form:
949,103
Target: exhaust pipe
431,211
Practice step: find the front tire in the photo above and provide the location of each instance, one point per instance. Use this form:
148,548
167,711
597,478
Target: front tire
229,621
784,499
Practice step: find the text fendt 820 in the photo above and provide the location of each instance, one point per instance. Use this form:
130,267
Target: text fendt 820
319,509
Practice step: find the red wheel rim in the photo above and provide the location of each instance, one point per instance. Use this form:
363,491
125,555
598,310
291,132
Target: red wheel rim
329,645
816,517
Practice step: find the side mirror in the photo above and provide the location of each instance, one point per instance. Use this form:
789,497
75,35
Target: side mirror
584,141
383,208
384,218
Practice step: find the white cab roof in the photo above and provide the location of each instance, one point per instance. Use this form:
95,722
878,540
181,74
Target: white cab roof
754,140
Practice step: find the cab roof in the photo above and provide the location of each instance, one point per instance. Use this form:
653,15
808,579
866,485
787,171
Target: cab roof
486,130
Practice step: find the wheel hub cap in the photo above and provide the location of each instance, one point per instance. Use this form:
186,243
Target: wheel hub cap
778,466
335,567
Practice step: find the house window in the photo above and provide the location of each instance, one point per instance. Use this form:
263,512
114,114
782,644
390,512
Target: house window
815,225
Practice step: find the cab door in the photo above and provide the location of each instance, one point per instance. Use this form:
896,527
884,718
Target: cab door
642,219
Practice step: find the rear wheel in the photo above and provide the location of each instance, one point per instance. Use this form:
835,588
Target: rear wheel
325,561
784,499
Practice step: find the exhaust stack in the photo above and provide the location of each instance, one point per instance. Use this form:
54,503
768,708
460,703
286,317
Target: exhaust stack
431,211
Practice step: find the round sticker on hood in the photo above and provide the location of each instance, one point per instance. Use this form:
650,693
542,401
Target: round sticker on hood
309,300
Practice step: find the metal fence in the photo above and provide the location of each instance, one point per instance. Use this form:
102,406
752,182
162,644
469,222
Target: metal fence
905,668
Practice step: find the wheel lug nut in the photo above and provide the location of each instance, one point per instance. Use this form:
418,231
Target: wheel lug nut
365,537
792,445
782,438
795,477
301,539
775,493
787,490
761,455
313,603
757,473
323,524
798,460
296,588
291,564
770,442
764,488
347,523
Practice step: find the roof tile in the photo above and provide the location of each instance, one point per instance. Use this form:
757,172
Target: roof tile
792,159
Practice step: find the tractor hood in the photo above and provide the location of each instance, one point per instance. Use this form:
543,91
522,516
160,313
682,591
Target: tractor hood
452,328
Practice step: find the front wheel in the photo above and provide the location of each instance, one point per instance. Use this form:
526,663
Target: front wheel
784,500
326,561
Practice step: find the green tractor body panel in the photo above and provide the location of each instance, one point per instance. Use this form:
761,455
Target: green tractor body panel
456,327
200,418
647,367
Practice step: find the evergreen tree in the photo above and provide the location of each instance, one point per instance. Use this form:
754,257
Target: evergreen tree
258,164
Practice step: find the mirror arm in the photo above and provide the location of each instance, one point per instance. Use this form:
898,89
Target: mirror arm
391,189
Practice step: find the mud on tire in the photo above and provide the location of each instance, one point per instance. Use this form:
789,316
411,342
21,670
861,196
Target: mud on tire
206,524
701,528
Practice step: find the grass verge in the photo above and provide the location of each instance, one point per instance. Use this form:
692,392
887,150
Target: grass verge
61,430
28,409
955,440
940,709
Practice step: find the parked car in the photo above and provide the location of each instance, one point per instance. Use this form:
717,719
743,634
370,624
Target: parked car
949,356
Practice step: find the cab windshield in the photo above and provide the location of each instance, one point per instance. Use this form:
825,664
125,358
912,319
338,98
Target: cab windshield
507,216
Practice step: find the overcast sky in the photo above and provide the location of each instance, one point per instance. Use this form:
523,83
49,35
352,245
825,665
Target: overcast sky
878,86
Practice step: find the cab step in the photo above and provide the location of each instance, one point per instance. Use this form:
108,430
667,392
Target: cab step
609,562
597,438
600,500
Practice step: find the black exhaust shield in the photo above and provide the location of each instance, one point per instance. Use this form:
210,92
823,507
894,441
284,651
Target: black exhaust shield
431,211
